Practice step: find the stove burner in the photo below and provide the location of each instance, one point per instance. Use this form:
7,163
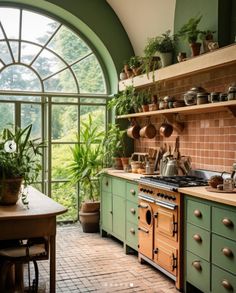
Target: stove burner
175,181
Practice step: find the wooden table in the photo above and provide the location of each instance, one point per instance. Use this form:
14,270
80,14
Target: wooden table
39,220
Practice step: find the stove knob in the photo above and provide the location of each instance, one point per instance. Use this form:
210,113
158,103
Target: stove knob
141,189
173,197
166,196
151,192
170,197
161,195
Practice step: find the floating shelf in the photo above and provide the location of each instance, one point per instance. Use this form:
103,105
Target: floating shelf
217,58
196,109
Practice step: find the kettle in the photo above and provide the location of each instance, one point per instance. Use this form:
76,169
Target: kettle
170,168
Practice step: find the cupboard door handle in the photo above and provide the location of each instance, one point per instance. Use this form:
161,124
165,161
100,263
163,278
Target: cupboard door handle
106,183
227,222
227,252
155,251
143,206
132,231
143,230
196,264
197,237
197,213
132,191
111,212
226,284
132,210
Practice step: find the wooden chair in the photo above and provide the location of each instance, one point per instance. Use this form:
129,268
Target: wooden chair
12,259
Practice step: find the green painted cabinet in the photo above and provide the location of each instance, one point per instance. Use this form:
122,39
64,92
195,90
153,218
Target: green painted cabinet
119,214
210,246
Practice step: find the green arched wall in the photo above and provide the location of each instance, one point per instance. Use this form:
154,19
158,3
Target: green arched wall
98,22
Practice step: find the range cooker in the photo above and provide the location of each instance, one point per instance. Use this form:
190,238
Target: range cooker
161,222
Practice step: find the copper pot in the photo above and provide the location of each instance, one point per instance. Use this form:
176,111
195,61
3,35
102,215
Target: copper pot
166,129
148,131
133,130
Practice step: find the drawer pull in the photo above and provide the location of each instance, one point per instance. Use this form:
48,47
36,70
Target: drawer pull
196,264
132,210
197,213
226,284
227,252
227,222
132,191
111,212
143,230
197,237
132,231
106,183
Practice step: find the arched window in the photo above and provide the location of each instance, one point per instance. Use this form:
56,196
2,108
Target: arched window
51,77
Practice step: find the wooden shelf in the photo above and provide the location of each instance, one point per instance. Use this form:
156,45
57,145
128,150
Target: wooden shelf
196,109
217,58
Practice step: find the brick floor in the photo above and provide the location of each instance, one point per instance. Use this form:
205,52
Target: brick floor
88,263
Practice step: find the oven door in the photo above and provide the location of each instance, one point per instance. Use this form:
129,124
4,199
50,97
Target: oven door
165,255
166,220
145,228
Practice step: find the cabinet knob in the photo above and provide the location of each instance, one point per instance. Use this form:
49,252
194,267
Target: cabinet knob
227,222
132,231
197,237
106,183
227,252
196,264
226,284
197,213
132,191
111,212
132,210
155,251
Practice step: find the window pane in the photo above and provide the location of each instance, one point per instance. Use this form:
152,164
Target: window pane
20,98
47,63
37,28
15,50
28,52
62,82
64,122
90,76
10,21
7,112
4,53
68,45
98,114
18,77
93,100
66,195
31,114
66,99
61,158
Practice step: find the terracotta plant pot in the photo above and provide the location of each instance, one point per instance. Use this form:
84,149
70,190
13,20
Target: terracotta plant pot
118,164
9,191
125,161
195,49
89,221
90,206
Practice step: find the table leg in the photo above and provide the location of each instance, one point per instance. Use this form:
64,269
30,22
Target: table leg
52,264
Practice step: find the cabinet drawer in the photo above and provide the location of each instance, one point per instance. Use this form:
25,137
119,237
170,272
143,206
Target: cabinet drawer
198,272
198,241
224,222
132,212
119,187
132,235
222,281
224,253
106,183
198,214
132,192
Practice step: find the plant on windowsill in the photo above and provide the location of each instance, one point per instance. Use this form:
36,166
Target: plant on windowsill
190,32
19,164
88,156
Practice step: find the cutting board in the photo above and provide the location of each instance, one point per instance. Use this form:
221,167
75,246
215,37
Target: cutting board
211,189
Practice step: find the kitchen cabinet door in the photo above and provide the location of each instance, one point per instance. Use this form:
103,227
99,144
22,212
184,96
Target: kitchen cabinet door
119,219
106,211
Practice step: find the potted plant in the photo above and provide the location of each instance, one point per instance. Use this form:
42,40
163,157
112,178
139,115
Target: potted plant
207,37
162,46
135,64
84,169
115,147
19,163
191,32
124,101
145,98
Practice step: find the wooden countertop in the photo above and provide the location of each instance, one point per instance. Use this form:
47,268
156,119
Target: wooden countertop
122,174
201,192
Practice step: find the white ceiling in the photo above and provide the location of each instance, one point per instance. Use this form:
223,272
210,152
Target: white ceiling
143,19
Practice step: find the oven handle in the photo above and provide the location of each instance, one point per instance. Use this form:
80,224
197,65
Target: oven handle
143,230
146,198
164,204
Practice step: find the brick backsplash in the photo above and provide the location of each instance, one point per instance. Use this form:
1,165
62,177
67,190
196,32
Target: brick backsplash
209,138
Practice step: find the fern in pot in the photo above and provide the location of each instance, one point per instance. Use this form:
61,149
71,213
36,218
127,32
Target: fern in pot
19,163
